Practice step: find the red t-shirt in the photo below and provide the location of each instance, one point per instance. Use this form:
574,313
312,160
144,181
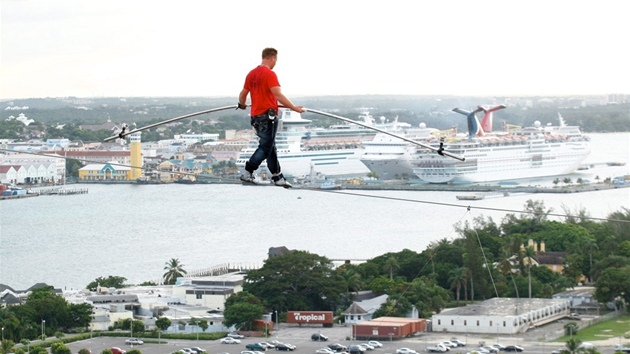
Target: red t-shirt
259,82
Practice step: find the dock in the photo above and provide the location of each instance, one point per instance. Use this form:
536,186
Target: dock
63,191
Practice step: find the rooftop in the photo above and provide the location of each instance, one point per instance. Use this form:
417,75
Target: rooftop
502,307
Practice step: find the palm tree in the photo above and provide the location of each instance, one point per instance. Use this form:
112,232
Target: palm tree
390,264
353,280
529,253
174,269
456,279
572,346
506,268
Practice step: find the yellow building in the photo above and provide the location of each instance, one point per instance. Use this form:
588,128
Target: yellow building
104,172
135,149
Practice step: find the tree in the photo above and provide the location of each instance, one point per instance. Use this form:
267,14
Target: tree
174,269
59,348
529,253
241,309
613,285
7,346
163,323
107,351
79,315
390,265
457,279
111,281
573,344
297,280
84,351
134,351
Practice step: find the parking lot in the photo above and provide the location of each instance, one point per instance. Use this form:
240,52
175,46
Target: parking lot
301,337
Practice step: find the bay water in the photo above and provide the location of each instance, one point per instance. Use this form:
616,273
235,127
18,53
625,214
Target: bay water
133,230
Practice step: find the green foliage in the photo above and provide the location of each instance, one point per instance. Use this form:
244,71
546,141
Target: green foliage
297,280
84,351
59,348
6,346
163,323
107,351
613,284
109,282
241,309
134,351
174,269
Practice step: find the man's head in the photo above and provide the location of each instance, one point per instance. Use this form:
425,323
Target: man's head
269,57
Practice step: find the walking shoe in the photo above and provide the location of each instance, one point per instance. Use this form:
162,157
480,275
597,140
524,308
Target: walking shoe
249,177
281,182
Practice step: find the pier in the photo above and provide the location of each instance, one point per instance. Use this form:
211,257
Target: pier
63,191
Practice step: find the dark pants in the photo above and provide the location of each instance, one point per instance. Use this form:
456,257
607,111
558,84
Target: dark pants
266,132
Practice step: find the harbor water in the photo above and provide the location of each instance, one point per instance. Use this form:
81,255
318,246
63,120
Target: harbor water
133,230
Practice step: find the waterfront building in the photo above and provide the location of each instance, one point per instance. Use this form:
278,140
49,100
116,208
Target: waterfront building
135,151
104,172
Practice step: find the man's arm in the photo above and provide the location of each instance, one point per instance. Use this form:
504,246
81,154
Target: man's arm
242,97
284,100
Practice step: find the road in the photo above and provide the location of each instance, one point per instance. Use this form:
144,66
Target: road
300,336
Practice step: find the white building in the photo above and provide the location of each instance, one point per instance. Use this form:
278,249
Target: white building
208,291
198,137
501,316
361,311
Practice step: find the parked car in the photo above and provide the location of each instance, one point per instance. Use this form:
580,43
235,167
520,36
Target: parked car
268,345
256,347
187,351
319,337
438,348
198,350
116,350
620,348
499,346
513,348
134,341
337,347
356,349
375,344
230,340
324,351
236,335
406,351
491,349
366,346
449,344
586,345
458,342
284,346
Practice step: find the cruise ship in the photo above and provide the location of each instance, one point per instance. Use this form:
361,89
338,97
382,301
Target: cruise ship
333,151
516,153
389,157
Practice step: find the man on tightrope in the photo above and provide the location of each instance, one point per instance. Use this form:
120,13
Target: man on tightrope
263,86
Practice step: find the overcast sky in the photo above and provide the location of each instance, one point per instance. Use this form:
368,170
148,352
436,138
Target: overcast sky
56,48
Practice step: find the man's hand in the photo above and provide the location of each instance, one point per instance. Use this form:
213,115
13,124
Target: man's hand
299,109
241,106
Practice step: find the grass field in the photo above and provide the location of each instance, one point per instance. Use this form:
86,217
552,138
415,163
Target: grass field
619,326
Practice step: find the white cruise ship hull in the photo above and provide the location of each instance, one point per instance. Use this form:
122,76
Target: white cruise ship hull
338,163
522,160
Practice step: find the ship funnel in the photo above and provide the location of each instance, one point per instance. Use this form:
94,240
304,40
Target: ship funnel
474,127
486,120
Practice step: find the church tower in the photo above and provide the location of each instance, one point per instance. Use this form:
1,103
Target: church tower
135,150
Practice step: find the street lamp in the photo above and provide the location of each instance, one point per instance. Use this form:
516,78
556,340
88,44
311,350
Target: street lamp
43,330
2,333
277,322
